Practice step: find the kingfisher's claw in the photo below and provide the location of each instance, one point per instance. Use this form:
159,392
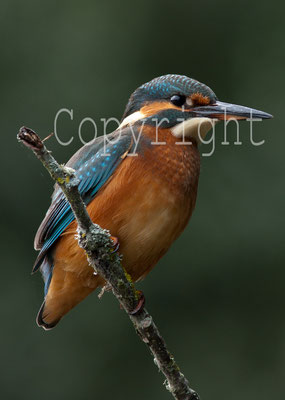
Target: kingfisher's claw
140,304
115,245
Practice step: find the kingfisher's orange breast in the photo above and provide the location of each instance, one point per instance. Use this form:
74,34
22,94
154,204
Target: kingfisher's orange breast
146,204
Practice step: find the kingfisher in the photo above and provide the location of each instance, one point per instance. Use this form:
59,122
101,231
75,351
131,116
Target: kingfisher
139,182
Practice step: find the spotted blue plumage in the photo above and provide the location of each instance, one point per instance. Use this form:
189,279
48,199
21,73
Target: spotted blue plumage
95,169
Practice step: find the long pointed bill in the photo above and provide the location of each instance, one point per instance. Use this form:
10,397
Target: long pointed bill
224,111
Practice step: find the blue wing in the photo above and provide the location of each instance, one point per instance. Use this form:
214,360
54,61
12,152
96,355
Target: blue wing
94,164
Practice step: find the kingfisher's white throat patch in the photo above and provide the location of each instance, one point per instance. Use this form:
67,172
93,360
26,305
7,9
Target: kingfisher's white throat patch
195,128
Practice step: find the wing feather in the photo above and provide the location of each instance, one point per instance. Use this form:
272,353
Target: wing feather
93,168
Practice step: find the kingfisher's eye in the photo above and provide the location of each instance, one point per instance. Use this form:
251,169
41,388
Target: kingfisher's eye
178,100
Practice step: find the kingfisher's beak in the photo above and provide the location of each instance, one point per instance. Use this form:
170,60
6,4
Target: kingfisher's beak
224,111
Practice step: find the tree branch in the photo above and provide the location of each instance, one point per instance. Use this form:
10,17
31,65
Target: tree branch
98,247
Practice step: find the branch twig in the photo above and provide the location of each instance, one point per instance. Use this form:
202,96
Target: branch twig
98,247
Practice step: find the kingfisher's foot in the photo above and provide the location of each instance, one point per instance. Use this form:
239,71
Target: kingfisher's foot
116,244
140,305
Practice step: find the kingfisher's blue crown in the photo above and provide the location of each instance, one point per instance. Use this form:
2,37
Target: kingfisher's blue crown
163,87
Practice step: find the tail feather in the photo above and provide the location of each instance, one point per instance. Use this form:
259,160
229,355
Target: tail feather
41,322
65,291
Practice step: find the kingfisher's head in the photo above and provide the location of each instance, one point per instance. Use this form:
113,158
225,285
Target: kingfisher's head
189,108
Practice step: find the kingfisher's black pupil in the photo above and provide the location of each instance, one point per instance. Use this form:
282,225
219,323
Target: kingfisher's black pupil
178,100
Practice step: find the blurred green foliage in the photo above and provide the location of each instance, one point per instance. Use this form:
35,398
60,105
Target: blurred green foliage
218,295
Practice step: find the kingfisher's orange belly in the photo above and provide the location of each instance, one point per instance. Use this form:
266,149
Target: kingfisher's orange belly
147,224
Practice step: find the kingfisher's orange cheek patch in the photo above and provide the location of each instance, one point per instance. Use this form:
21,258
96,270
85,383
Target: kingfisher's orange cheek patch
157,106
200,100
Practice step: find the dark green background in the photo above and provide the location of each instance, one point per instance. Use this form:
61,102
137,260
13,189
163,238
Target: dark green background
218,295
